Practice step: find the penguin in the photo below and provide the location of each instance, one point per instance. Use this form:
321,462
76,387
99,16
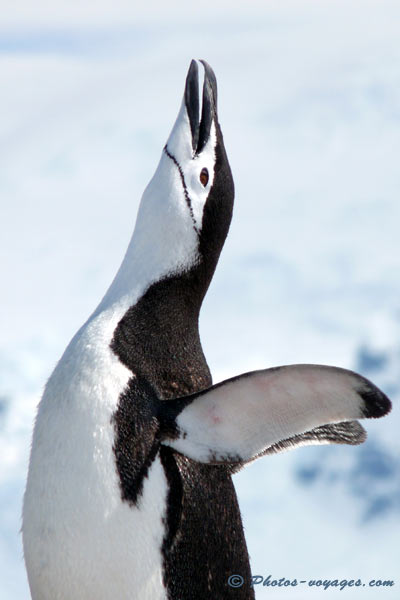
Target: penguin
129,492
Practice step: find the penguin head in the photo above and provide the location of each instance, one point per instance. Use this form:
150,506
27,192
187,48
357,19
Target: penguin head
186,209
196,152
208,168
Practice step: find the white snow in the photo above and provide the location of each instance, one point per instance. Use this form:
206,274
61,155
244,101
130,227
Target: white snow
309,107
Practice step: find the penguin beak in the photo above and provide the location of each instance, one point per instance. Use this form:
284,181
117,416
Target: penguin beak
200,128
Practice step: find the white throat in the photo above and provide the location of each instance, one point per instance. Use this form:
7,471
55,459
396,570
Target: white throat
166,236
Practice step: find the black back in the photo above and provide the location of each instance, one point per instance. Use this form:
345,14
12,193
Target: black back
204,543
158,340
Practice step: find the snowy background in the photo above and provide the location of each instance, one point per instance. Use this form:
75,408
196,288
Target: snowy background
309,98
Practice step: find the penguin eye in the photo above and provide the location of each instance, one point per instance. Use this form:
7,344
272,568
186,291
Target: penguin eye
204,177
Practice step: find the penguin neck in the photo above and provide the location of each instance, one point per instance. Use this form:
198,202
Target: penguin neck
158,337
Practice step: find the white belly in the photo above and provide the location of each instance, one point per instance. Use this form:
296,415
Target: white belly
102,554
81,541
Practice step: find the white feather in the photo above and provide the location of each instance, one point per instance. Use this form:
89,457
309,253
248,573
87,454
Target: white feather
81,541
244,416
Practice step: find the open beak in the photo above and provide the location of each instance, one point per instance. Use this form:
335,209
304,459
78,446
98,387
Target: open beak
200,128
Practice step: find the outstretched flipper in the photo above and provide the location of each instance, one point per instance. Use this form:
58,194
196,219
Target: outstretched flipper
261,412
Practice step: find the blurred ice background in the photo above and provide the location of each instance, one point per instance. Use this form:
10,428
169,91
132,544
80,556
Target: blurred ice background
309,97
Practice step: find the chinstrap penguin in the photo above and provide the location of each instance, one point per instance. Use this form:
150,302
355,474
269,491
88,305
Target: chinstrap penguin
129,492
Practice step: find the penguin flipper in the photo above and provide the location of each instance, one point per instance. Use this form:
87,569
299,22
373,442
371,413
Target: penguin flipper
267,411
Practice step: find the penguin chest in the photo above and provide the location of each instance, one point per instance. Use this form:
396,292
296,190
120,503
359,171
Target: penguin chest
81,539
